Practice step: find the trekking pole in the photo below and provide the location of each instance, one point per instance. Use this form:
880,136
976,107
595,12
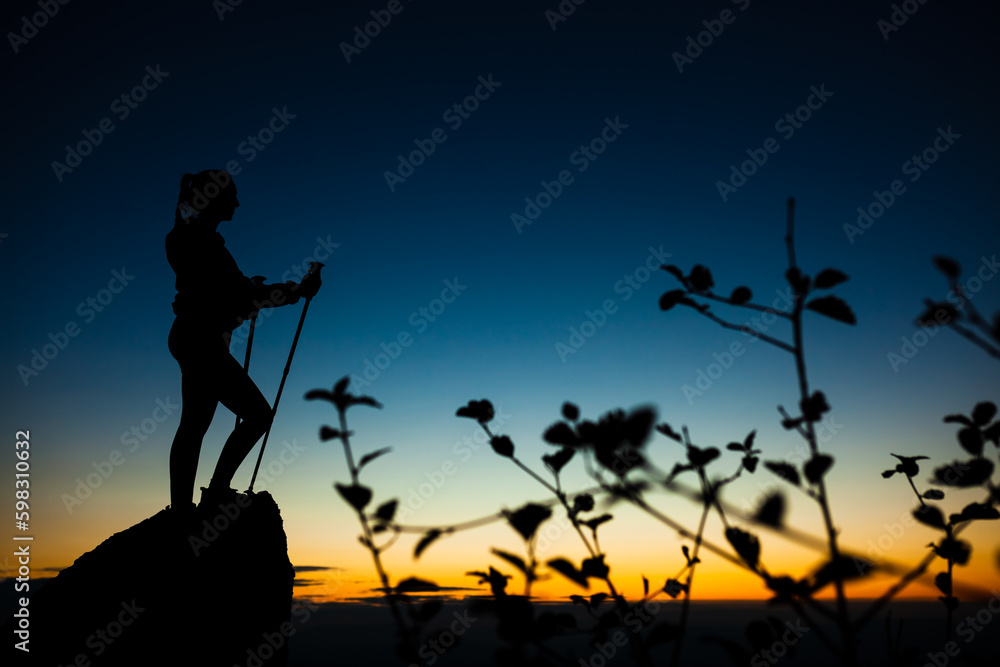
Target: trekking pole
313,284
257,281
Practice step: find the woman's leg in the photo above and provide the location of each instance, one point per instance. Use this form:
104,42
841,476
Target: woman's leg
198,403
239,393
197,352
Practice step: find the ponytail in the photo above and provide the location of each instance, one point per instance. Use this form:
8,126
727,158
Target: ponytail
191,188
185,189
185,211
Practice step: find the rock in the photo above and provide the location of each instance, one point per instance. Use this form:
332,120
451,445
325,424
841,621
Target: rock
212,587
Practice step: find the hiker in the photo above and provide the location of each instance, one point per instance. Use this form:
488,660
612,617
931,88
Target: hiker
213,298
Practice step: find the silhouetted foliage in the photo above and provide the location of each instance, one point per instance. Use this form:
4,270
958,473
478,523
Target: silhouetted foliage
960,313
616,452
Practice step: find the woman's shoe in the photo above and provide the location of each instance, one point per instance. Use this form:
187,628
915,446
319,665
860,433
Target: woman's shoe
214,496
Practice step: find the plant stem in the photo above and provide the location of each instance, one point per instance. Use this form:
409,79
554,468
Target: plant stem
751,306
369,536
685,605
914,487
846,629
743,328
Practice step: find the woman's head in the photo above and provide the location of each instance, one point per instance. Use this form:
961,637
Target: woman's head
208,196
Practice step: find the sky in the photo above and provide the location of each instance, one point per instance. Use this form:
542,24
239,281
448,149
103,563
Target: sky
481,183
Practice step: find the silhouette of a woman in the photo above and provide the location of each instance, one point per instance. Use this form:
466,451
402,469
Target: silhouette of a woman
213,298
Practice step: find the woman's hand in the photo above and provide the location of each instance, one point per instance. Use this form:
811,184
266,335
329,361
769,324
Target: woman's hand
293,292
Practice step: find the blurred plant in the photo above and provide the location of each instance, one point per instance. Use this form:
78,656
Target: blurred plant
696,288
528,518
614,453
976,430
359,497
959,313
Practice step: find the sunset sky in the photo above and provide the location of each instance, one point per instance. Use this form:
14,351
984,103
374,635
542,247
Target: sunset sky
629,144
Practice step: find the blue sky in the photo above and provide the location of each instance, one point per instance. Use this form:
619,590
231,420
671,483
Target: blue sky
318,190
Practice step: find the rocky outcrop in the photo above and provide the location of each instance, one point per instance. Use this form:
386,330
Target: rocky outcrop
212,586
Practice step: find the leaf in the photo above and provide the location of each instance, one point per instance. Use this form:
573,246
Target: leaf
984,412
828,278
687,556
834,308
814,406
908,465
329,433
954,550
740,295
561,433
426,541
595,567
570,411
357,496
701,278
957,419
930,516
750,463
964,474
665,429
365,400
701,457
746,544
789,424
497,581
670,268
817,466
934,494
673,588
974,511
568,570
320,394
785,588
946,265
341,385
786,471
527,519
735,447
971,440
844,568
937,313
943,582
645,586
482,411
671,298
583,503
371,456
514,560
387,510
555,462
502,445
597,521
772,512
992,433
